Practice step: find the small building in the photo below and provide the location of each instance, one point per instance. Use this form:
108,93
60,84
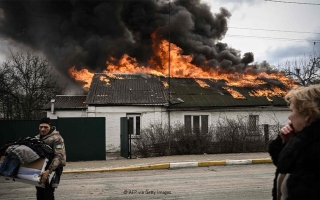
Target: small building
198,104
67,106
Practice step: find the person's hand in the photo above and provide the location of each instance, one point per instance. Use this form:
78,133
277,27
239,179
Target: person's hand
44,176
286,133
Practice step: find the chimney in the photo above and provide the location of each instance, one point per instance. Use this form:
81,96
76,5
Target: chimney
52,105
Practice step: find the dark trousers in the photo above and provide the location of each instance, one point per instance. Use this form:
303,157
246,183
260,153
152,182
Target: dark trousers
45,193
9,167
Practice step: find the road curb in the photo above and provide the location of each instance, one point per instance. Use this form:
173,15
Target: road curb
174,165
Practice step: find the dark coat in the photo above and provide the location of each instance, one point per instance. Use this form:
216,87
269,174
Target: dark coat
300,157
58,160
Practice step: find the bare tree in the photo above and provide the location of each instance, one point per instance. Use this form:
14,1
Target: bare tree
27,83
305,71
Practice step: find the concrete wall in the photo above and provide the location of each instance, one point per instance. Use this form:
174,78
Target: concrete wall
158,114
67,113
149,114
266,115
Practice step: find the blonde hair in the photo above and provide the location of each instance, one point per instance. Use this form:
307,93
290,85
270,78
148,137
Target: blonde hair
306,100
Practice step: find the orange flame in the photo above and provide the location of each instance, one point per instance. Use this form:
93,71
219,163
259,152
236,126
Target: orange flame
102,78
181,66
275,91
82,76
202,83
165,84
234,94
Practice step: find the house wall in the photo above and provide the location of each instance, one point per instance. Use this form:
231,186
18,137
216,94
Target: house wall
273,117
67,113
266,115
158,114
112,114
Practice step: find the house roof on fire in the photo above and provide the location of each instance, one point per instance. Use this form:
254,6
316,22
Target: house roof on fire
126,89
141,89
217,94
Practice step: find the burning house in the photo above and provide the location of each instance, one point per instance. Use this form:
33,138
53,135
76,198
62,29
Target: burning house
150,61
192,95
198,103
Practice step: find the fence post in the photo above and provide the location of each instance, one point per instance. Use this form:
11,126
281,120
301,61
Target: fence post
266,135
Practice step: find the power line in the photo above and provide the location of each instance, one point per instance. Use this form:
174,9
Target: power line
293,2
274,38
244,28
274,30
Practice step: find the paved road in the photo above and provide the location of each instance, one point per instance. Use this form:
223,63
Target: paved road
241,182
115,162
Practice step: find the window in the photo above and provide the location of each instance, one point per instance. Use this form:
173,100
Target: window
134,124
253,123
196,123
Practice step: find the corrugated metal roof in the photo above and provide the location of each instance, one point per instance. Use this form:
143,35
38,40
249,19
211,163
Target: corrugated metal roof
68,101
191,94
126,89
138,89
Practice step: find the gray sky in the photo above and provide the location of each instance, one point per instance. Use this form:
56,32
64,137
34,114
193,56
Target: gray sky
248,15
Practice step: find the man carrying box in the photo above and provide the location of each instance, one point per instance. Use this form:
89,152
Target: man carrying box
51,137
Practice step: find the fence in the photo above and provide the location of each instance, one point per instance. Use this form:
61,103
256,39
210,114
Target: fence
84,137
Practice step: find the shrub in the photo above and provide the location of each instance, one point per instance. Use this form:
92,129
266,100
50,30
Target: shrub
227,136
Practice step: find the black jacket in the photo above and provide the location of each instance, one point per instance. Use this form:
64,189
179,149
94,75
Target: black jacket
301,158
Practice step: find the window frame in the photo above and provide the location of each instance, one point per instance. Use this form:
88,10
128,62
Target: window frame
134,128
253,123
202,121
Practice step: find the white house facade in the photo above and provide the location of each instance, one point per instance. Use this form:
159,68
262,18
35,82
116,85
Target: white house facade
145,100
141,116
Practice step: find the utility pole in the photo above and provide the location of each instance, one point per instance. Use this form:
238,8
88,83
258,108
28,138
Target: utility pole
169,81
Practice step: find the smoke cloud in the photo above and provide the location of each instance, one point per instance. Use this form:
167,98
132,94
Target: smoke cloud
86,33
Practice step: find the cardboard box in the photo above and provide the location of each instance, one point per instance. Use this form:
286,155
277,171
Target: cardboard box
39,164
29,173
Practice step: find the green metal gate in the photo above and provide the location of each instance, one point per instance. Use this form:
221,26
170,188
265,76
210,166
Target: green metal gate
124,137
12,130
84,137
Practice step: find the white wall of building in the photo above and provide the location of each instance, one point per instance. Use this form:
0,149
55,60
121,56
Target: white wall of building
112,114
266,115
67,113
158,114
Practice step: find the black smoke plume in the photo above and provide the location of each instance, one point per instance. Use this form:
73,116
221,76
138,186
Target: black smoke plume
86,33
